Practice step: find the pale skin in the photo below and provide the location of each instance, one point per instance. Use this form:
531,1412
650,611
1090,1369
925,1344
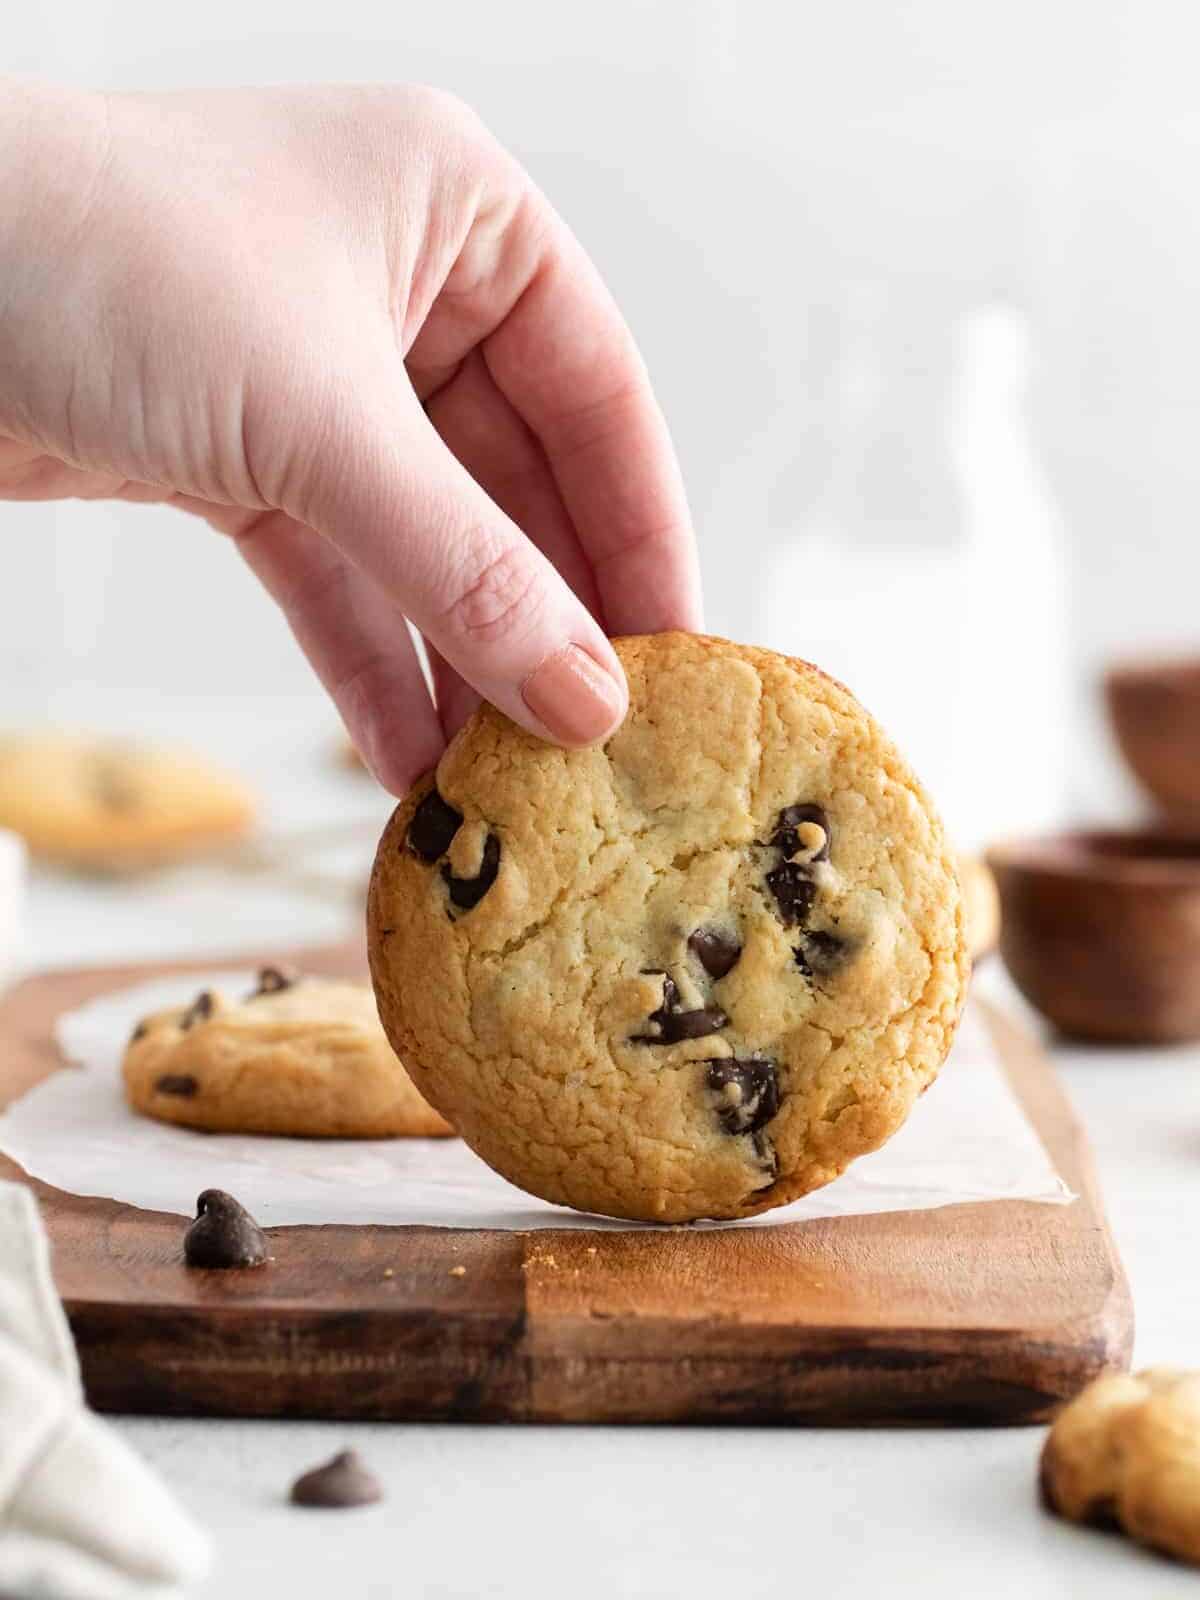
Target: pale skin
345,328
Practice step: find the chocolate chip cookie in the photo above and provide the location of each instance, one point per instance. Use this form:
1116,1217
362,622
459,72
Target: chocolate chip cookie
109,805
1126,1453
691,973
302,1056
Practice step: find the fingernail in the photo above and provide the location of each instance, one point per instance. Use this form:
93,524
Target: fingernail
573,697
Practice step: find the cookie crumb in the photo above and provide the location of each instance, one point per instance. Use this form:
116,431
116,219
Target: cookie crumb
458,1272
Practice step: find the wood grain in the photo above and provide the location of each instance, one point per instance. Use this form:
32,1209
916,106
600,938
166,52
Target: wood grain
982,1313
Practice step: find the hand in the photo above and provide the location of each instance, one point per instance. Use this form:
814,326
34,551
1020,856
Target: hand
344,327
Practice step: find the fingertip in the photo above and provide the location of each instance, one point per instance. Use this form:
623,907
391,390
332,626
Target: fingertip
576,699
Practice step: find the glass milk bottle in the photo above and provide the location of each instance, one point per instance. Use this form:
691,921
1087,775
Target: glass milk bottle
926,570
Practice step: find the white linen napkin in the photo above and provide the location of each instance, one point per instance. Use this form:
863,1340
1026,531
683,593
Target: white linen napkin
81,1517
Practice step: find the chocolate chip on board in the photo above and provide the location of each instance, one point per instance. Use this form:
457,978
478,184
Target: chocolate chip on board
344,1481
200,1010
273,980
747,1093
716,951
786,836
468,892
794,891
179,1083
224,1234
434,823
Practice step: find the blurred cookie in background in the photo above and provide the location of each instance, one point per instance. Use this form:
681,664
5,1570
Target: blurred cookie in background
981,905
105,804
298,1056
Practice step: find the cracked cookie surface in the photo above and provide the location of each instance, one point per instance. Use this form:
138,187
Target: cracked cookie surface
300,1056
691,973
1126,1453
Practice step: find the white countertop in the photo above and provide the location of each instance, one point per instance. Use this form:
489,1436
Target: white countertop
541,1513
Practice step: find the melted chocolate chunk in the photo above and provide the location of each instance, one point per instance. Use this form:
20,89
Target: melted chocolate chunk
787,839
674,1024
716,951
434,823
112,786
140,1032
819,953
273,980
794,891
200,1010
748,1093
468,892
180,1083
224,1234
344,1481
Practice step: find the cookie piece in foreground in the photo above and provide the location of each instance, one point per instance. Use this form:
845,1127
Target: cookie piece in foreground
692,973
300,1056
1126,1453
110,805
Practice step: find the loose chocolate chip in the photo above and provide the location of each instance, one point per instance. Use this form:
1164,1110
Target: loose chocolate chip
786,838
748,1093
200,1010
344,1481
716,951
819,953
140,1032
273,980
180,1083
468,892
674,1024
434,824
794,891
224,1234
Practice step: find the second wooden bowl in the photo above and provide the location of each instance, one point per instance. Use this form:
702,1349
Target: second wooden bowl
1101,931
1154,707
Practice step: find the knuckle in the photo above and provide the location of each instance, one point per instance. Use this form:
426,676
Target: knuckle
500,598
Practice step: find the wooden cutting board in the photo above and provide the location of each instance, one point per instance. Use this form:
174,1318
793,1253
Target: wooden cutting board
977,1313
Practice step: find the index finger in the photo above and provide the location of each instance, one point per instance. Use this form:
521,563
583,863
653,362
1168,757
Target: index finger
568,363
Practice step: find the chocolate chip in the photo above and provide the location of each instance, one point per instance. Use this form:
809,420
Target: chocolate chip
200,1010
273,980
344,1481
180,1083
786,837
434,823
674,1024
112,786
794,891
748,1093
468,892
820,953
140,1032
224,1234
716,951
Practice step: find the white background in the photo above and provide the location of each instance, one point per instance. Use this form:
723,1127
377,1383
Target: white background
750,177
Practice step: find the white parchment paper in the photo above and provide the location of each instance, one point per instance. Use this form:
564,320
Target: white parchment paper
966,1140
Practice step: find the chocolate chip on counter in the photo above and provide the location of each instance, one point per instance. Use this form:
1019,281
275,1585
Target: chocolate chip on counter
273,980
180,1083
200,1010
786,836
819,953
224,1234
344,1481
674,1024
747,1092
716,951
434,823
794,891
468,892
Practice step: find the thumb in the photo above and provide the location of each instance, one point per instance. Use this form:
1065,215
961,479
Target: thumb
403,510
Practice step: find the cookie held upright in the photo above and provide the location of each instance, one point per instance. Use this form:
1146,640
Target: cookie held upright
692,973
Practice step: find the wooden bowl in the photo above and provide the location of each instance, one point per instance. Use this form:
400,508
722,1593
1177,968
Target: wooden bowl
1101,930
1155,711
